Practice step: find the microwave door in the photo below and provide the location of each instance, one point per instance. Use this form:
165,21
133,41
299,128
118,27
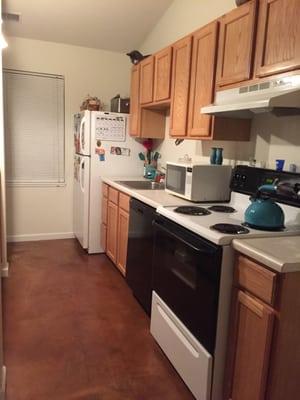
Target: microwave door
176,179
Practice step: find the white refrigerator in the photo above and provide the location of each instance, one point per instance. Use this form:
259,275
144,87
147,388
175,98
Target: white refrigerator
103,147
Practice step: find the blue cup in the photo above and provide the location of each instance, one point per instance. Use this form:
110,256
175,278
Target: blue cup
279,165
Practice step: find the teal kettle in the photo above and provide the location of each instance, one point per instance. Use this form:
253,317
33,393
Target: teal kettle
263,213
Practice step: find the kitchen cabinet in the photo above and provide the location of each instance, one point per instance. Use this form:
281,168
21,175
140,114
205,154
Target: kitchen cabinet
202,85
253,332
162,82
115,225
237,37
123,225
134,101
104,216
278,38
112,231
182,51
263,353
146,80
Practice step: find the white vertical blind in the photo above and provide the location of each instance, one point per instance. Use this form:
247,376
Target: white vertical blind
34,128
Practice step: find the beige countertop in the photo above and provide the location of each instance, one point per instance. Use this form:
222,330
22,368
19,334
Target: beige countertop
281,254
153,198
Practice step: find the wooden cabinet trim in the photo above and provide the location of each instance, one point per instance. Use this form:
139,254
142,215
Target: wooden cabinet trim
283,44
256,279
248,9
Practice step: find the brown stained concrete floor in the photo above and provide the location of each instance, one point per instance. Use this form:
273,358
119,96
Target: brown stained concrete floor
73,330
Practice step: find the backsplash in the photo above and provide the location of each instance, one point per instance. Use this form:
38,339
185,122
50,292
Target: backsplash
271,138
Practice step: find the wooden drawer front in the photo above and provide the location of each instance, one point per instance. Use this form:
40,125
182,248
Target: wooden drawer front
256,279
104,210
104,190
124,201
113,195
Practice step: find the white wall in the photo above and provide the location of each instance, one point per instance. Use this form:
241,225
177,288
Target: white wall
272,137
39,211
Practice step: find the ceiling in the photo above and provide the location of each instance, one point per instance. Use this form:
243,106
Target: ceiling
116,25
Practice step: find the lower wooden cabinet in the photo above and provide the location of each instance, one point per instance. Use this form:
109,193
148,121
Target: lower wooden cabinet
263,353
123,225
252,333
112,231
114,226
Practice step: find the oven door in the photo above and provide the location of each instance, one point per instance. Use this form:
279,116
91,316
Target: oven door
186,276
176,179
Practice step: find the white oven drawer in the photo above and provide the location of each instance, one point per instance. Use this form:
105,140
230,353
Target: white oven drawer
187,355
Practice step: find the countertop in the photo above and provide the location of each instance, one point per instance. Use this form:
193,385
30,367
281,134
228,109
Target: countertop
281,254
154,198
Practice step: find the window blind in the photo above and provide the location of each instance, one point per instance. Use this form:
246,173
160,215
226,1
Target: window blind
34,128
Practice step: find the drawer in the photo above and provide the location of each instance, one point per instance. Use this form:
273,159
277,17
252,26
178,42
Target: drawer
191,360
104,190
256,279
113,195
104,210
124,201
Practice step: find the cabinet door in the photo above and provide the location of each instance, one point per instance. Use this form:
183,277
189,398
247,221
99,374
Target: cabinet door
250,348
104,209
278,39
180,86
162,74
123,225
112,231
235,55
146,80
202,79
103,236
134,101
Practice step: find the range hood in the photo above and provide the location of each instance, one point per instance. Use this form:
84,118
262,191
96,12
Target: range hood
280,96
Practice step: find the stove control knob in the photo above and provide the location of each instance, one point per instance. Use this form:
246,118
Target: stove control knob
244,178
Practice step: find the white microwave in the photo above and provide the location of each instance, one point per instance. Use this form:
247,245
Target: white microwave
199,182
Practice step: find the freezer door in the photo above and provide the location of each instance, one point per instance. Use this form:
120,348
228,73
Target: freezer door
81,199
82,133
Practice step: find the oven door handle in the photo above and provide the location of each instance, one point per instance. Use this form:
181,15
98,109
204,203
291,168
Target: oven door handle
202,250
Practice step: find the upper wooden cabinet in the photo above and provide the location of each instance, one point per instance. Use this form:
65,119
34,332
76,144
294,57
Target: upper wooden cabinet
202,84
134,101
237,35
146,80
180,86
278,38
162,81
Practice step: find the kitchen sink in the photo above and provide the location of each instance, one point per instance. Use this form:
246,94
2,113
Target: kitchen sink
143,185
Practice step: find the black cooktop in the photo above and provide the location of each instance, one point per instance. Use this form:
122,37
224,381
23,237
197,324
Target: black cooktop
192,210
230,229
223,209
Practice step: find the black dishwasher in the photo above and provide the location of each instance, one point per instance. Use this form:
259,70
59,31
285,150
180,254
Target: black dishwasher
140,252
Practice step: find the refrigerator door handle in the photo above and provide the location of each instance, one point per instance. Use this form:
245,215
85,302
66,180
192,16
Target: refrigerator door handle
81,135
81,174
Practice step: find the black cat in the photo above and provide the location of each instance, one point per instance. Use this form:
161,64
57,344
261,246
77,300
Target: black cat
136,56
